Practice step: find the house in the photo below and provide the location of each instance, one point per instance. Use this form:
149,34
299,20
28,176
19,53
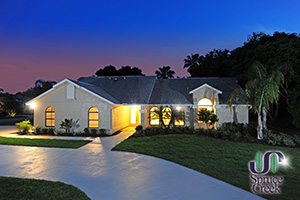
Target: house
113,103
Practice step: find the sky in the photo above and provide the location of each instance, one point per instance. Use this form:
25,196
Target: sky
58,39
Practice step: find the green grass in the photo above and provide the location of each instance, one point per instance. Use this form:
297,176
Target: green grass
224,160
58,143
19,188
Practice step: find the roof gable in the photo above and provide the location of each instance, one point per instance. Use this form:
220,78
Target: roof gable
73,83
205,85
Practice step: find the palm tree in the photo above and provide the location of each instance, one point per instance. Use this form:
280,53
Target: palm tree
262,90
165,72
192,63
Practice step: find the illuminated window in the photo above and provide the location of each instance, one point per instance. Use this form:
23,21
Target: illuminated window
154,117
93,117
50,117
205,104
166,115
180,122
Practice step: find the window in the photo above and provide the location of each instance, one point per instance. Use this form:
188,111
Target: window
93,117
205,104
180,122
166,115
50,117
154,117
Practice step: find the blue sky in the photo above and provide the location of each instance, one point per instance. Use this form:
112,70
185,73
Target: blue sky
54,39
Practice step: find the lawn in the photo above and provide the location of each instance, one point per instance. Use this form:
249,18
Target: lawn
19,188
224,160
58,143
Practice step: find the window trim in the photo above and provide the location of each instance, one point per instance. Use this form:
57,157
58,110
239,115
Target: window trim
46,119
95,120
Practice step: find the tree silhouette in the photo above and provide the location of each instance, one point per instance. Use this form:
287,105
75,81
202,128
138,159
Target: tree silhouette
192,63
165,72
107,71
123,71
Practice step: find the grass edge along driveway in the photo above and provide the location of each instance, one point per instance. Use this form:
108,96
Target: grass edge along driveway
57,143
224,160
20,188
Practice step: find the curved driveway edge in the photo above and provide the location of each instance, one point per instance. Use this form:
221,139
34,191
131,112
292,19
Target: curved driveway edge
105,174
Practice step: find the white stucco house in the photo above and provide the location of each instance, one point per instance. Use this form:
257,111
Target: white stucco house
113,103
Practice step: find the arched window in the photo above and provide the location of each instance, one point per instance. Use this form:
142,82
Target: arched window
154,117
166,115
93,117
180,122
205,104
50,117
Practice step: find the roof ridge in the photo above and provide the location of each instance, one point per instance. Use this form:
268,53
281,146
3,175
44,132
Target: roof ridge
150,95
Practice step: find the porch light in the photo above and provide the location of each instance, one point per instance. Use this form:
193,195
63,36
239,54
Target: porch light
178,108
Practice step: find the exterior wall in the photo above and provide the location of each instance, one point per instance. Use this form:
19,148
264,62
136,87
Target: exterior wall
76,108
120,117
238,114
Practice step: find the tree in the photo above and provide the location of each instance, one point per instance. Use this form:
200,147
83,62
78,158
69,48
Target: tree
260,92
165,72
214,63
9,104
123,71
40,86
192,63
1,90
107,71
172,114
208,117
127,70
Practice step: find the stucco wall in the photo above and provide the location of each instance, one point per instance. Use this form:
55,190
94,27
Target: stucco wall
205,92
76,108
120,117
238,114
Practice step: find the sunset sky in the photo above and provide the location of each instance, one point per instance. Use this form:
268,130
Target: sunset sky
61,39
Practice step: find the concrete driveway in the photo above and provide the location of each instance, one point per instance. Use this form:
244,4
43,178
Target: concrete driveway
104,174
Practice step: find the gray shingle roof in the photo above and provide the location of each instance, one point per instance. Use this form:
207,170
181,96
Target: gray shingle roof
149,90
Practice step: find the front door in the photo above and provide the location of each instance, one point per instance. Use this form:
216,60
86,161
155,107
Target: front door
133,118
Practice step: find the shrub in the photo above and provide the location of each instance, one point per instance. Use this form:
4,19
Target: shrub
102,131
236,136
150,131
287,141
225,134
50,131
86,131
139,128
24,126
38,130
94,131
199,131
44,131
